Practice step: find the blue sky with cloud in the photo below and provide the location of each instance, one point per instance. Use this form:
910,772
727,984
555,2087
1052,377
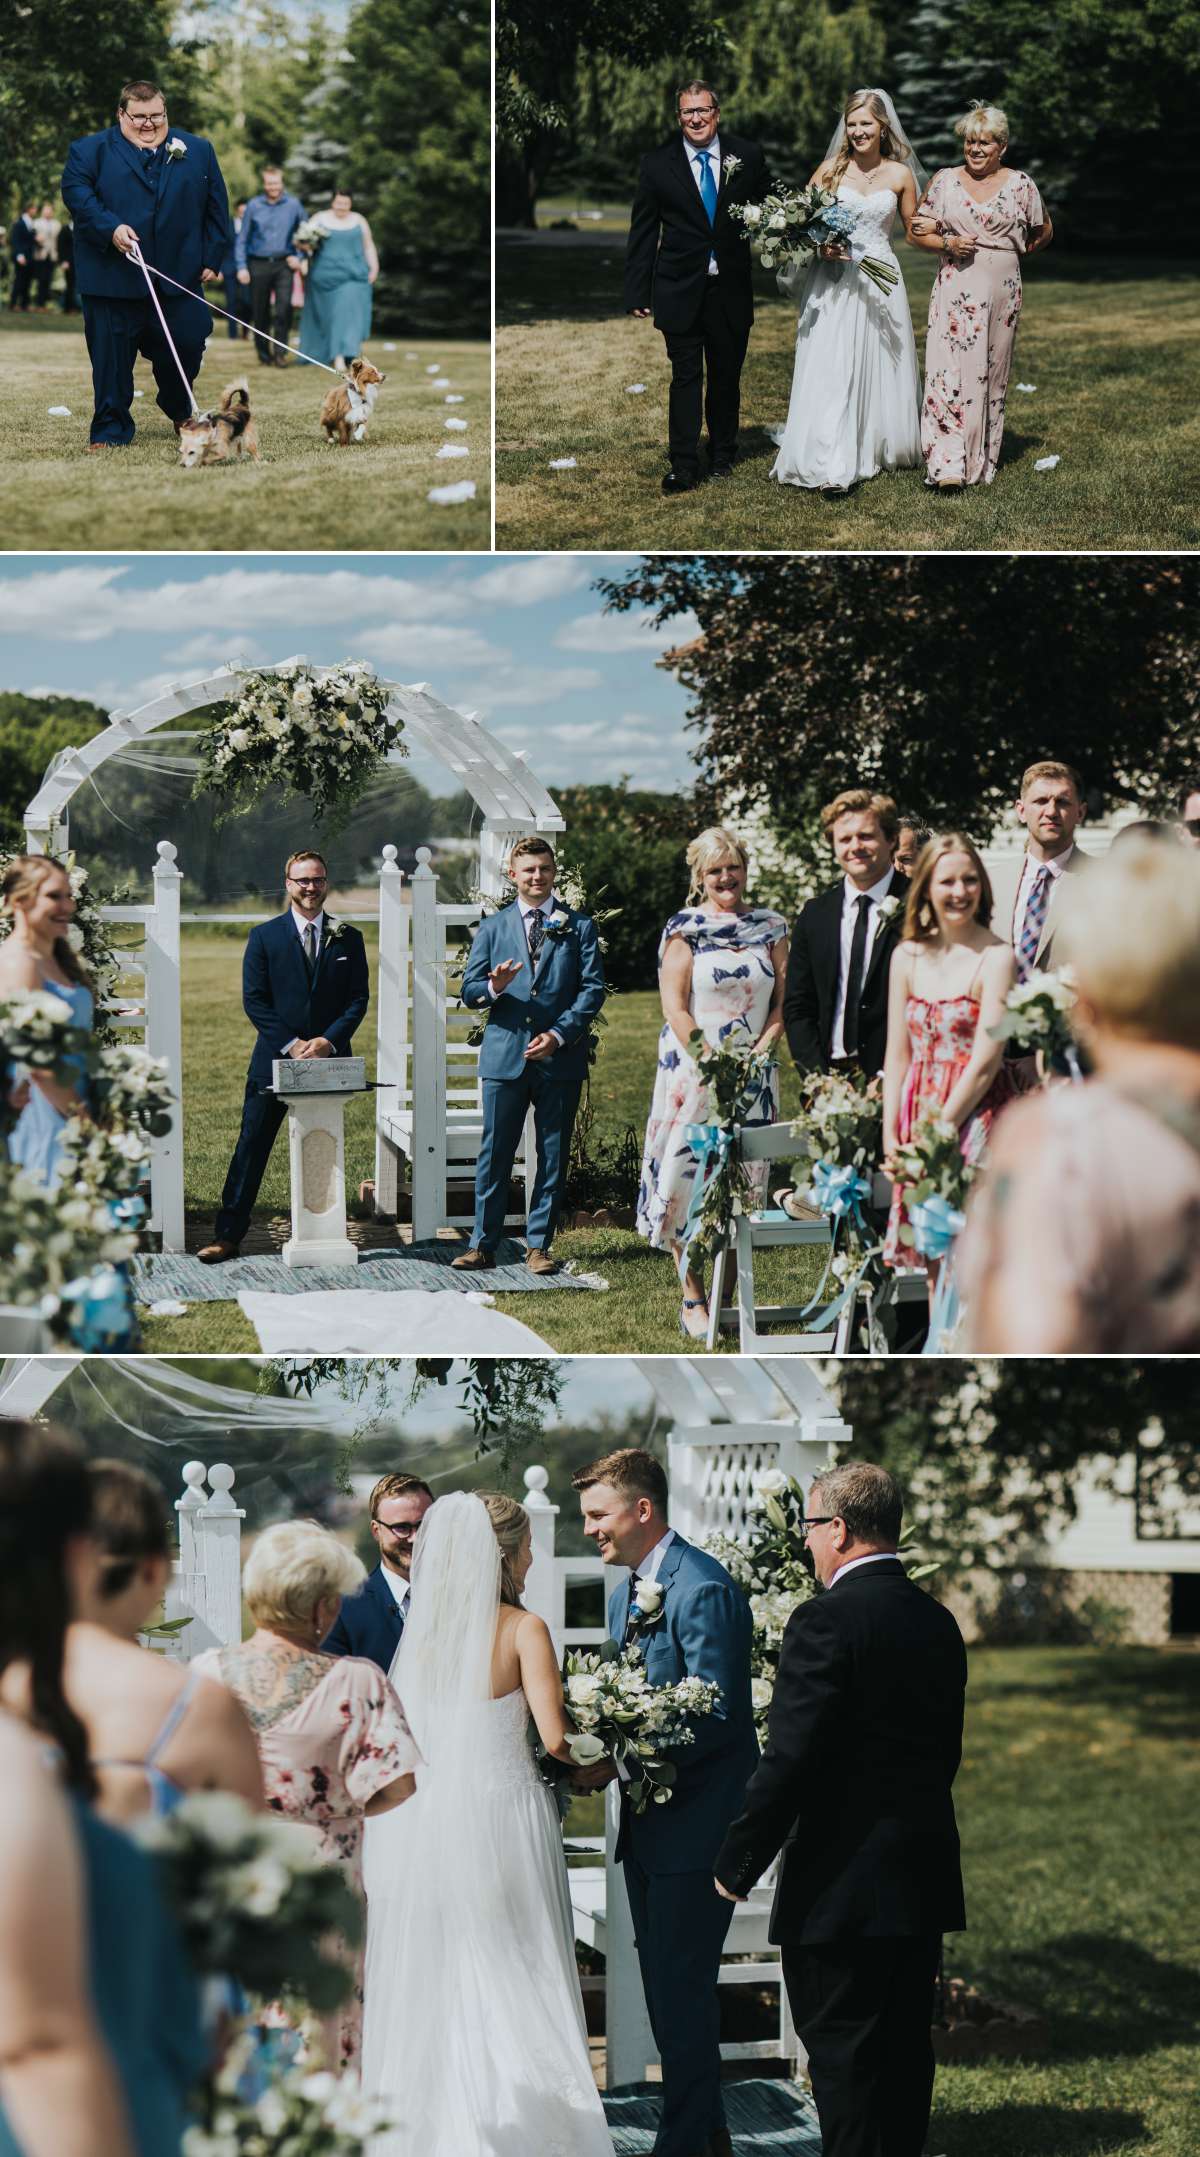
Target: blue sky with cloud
521,640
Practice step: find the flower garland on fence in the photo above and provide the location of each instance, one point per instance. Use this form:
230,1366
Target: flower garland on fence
1037,1019
315,732
734,1075
569,886
840,1125
774,1569
89,935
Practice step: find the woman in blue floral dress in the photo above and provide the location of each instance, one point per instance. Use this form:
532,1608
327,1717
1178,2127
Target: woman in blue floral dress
721,971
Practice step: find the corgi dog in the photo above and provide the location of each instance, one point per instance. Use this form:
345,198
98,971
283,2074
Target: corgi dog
347,408
221,436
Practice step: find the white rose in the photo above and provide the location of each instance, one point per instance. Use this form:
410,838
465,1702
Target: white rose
753,215
770,1482
761,1692
260,1886
239,739
778,221
648,1596
583,1689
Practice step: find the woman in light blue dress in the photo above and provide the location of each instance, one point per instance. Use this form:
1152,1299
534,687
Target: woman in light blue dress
336,320
139,2021
36,954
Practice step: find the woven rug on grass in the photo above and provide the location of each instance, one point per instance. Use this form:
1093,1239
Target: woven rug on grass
765,2119
180,1275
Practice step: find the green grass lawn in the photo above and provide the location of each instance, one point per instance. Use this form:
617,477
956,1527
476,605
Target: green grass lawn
639,1311
1110,346
305,494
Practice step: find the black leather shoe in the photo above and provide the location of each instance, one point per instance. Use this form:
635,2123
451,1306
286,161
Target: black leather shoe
722,468
680,483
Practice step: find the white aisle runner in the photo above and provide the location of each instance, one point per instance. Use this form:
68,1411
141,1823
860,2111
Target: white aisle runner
353,1322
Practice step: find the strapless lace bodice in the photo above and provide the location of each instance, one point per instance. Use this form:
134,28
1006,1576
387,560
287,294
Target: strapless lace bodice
876,216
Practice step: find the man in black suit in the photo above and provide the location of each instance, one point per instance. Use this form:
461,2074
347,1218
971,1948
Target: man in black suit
688,263
22,240
836,992
371,1622
305,990
865,1738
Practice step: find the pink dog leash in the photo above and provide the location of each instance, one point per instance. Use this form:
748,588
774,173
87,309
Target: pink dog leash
147,270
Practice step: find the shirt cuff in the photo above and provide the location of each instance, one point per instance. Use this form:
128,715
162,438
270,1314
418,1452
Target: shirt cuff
492,993
289,1046
558,1037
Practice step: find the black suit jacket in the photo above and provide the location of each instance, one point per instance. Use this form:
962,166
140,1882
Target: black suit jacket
670,238
864,1742
281,1002
811,987
21,239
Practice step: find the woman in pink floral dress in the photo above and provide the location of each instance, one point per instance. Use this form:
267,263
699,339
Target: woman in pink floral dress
949,980
332,1736
980,217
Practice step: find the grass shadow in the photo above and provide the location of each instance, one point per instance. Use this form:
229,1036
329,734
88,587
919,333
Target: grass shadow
1119,1684
1104,1995
1036,2130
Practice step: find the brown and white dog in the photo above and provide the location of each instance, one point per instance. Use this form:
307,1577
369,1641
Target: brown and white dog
347,408
222,436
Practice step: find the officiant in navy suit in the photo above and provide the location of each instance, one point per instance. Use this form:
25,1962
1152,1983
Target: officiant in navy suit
535,967
132,184
371,1621
688,263
305,987
690,1619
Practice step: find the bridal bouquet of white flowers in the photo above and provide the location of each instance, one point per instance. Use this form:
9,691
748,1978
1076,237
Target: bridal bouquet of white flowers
791,225
317,732
301,2113
254,1899
619,1713
1037,1016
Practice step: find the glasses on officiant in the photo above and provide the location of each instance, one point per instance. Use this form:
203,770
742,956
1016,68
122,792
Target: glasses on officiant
695,112
817,1520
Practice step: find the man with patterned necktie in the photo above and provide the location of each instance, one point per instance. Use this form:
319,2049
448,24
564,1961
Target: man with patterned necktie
305,989
687,262
1051,808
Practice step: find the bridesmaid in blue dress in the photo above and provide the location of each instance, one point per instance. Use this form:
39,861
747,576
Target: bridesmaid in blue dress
336,320
36,954
143,1995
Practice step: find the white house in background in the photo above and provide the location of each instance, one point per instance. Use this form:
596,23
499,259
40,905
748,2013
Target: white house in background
1119,1550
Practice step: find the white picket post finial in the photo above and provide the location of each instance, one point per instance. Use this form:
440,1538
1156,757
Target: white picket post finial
220,1482
195,1475
536,1481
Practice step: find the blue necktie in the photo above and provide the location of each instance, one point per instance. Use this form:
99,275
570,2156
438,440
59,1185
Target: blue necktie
708,185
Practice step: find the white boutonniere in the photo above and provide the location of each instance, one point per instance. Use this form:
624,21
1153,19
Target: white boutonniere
647,1607
176,149
334,930
558,925
888,909
730,165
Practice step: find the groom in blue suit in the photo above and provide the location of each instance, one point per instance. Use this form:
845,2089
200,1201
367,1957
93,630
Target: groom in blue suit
128,184
305,987
690,1619
535,968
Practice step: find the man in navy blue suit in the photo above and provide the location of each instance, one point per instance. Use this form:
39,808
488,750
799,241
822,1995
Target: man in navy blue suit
305,987
21,242
370,1623
690,1619
131,185
535,967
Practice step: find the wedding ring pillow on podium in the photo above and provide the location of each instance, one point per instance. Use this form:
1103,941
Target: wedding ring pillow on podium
318,1074
315,1090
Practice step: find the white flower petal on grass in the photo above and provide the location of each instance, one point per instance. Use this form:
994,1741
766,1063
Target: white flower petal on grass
1046,464
454,449
58,411
166,1307
389,348
456,399
441,381
463,490
456,426
479,1296
562,464
1027,387
634,389
435,369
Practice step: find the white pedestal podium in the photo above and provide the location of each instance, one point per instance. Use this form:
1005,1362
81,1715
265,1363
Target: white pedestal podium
317,1163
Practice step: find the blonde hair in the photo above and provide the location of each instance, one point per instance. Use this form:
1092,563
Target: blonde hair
510,1526
981,119
888,145
1131,931
920,919
714,845
22,879
293,1567
1049,769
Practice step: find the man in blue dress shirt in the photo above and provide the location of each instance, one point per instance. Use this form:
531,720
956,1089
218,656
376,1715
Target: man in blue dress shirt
371,1621
266,261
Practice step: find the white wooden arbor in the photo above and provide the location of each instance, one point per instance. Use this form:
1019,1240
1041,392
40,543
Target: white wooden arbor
513,804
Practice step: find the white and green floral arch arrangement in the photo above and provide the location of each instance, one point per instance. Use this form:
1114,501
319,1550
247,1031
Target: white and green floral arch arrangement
323,730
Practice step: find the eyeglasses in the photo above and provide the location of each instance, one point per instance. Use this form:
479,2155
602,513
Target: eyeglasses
304,883
146,119
403,1530
695,112
819,1520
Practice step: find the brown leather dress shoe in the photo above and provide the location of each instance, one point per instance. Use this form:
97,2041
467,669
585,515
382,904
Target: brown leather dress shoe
473,1261
215,1254
540,1261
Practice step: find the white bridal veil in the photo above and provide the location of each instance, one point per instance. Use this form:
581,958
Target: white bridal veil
899,137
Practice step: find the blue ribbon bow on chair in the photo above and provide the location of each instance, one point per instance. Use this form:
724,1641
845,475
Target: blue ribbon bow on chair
711,1145
935,1224
841,1191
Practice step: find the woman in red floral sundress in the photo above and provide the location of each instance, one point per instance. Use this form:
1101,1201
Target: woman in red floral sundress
980,218
950,976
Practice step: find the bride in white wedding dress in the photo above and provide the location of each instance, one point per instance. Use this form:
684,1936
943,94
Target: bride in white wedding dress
856,398
473,2026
